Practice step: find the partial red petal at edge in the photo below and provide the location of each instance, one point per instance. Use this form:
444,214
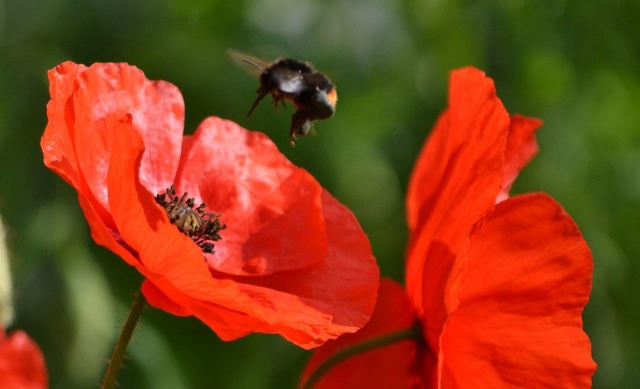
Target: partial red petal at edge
22,364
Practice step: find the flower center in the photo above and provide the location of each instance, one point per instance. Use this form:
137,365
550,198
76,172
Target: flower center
203,227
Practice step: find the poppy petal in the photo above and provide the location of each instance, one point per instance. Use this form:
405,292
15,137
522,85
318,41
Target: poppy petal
157,298
344,285
22,364
521,148
59,149
387,367
234,310
102,234
522,292
271,207
454,186
57,142
466,146
85,101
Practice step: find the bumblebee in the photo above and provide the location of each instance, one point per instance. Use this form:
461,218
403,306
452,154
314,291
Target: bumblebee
313,94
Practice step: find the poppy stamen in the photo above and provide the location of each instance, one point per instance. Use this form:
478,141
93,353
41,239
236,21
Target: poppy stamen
203,227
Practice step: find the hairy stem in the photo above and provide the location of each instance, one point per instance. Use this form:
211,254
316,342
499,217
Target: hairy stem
121,347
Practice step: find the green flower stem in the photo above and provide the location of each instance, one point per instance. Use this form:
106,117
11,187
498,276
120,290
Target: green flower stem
121,347
413,333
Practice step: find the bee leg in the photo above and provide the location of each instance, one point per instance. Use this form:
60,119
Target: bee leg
278,98
261,95
300,125
275,100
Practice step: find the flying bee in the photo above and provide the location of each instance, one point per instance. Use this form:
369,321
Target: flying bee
310,91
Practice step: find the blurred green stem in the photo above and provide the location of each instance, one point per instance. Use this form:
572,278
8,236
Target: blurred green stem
412,333
121,347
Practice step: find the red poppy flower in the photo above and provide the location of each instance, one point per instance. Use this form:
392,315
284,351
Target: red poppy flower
21,362
292,259
496,284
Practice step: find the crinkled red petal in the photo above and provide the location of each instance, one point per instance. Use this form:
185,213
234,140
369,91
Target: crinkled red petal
22,364
522,292
84,104
232,313
58,141
156,298
60,153
105,236
344,285
387,367
454,186
107,92
272,208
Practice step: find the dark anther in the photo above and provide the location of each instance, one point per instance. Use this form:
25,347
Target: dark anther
203,227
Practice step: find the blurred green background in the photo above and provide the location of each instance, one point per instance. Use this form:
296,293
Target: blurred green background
573,63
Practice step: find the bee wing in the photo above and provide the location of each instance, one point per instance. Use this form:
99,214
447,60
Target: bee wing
251,64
